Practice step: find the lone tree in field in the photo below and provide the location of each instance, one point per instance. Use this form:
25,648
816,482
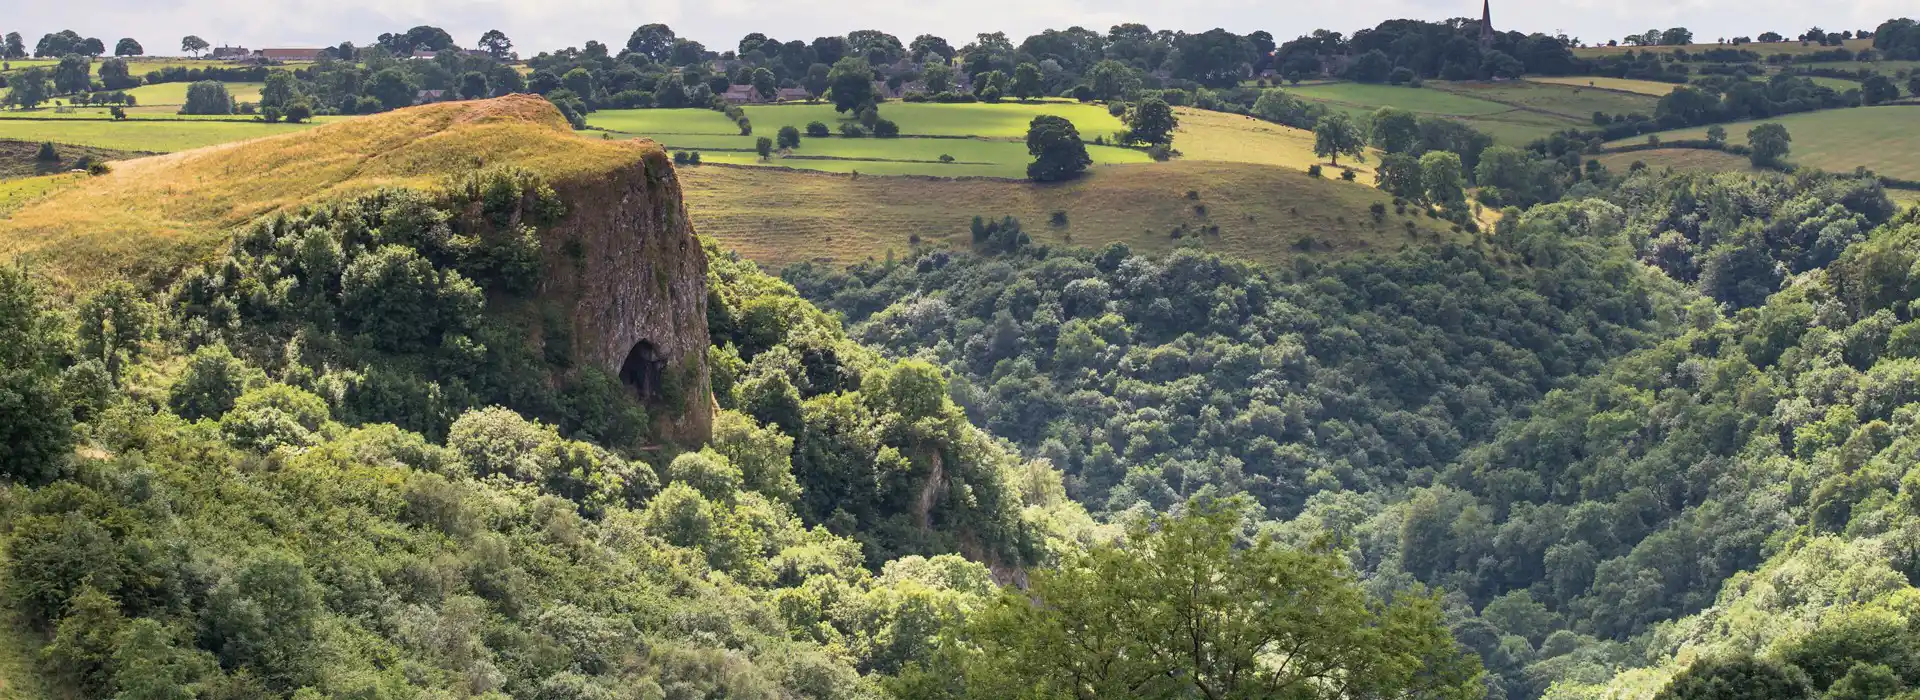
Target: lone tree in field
764,147
1717,135
1335,136
1770,144
193,44
789,137
1057,151
850,85
1153,122
207,97
128,47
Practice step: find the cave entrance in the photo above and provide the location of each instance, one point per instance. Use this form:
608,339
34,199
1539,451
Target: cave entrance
643,369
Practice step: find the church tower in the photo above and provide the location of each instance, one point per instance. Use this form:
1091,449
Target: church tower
1486,25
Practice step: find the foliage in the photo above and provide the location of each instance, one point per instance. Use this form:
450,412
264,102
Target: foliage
1152,122
1335,136
1058,153
1178,610
209,97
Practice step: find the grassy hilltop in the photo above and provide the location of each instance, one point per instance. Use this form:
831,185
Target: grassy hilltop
151,213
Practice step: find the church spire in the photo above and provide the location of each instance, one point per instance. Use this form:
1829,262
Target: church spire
1486,23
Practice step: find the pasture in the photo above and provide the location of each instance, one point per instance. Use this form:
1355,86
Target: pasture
174,94
1474,104
1791,48
1423,100
1262,212
152,136
1570,101
1653,88
1686,160
1882,139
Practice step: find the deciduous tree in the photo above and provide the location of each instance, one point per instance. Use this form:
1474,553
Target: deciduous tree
128,47
1336,136
1058,153
193,44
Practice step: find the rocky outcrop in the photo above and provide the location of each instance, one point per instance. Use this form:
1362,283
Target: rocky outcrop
626,267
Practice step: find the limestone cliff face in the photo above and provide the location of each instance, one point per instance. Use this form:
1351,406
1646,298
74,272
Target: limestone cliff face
625,265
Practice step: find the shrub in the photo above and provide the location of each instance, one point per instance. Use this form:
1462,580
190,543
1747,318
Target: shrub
818,130
746,126
679,157
299,112
98,168
1379,211
694,159
207,97
1118,109
117,112
1347,174
47,154
944,158
1313,170
788,137
852,130
1058,219
214,379
885,128
1160,153
270,115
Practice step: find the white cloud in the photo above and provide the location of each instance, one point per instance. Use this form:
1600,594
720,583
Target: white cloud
549,24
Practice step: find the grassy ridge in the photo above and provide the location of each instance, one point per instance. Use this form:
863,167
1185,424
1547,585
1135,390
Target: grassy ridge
167,207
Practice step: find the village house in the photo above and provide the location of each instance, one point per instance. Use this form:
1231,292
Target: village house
425,96
231,52
740,95
792,95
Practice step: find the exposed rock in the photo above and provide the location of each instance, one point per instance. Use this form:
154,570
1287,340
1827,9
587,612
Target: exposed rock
626,263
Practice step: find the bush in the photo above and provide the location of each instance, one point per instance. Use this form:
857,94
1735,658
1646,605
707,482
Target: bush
1160,152
1347,174
885,128
299,112
1378,210
98,168
818,130
788,137
679,157
746,126
1118,109
47,154
852,130
694,159
1313,170
944,158
1059,219
213,381
207,97
117,112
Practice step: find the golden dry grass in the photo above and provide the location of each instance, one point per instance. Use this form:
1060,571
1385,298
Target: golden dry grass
154,213
1263,211
1686,160
1233,138
1652,88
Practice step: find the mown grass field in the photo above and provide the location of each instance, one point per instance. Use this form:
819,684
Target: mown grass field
1883,139
133,135
1792,48
1686,160
1263,212
174,94
1233,138
1513,124
1571,101
1652,88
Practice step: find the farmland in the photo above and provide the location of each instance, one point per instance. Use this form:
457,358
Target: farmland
1652,88
1512,113
135,135
1687,160
1791,48
175,94
1882,139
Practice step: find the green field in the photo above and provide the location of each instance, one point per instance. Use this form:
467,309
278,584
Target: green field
19,192
1653,88
1571,101
1686,160
153,136
1007,120
1513,124
1883,139
1792,48
1423,100
1840,84
156,113
176,93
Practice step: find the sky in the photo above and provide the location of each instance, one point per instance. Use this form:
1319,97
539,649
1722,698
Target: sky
536,25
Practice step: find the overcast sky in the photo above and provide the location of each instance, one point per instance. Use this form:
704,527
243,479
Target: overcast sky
537,25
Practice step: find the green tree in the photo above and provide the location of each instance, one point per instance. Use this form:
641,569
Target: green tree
850,85
1371,67
35,425
72,75
788,137
128,47
1441,171
193,44
1152,122
1336,135
115,75
213,380
299,112
764,147
13,47
29,88
1058,153
1716,135
938,77
81,652
1877,89
393,87
990,86
496,44
278,92
148,665
1112,80
1743,678
1026,82
818,80
765,83
473,86
207,97
654,41
1400,175
1395,130
1770,144
1177,610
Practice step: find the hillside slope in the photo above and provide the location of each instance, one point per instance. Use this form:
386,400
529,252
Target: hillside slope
155,213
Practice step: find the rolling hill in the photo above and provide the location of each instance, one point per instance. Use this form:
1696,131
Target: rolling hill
1882,139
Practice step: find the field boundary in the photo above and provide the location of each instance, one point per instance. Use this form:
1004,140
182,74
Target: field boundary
1887,181
856,175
